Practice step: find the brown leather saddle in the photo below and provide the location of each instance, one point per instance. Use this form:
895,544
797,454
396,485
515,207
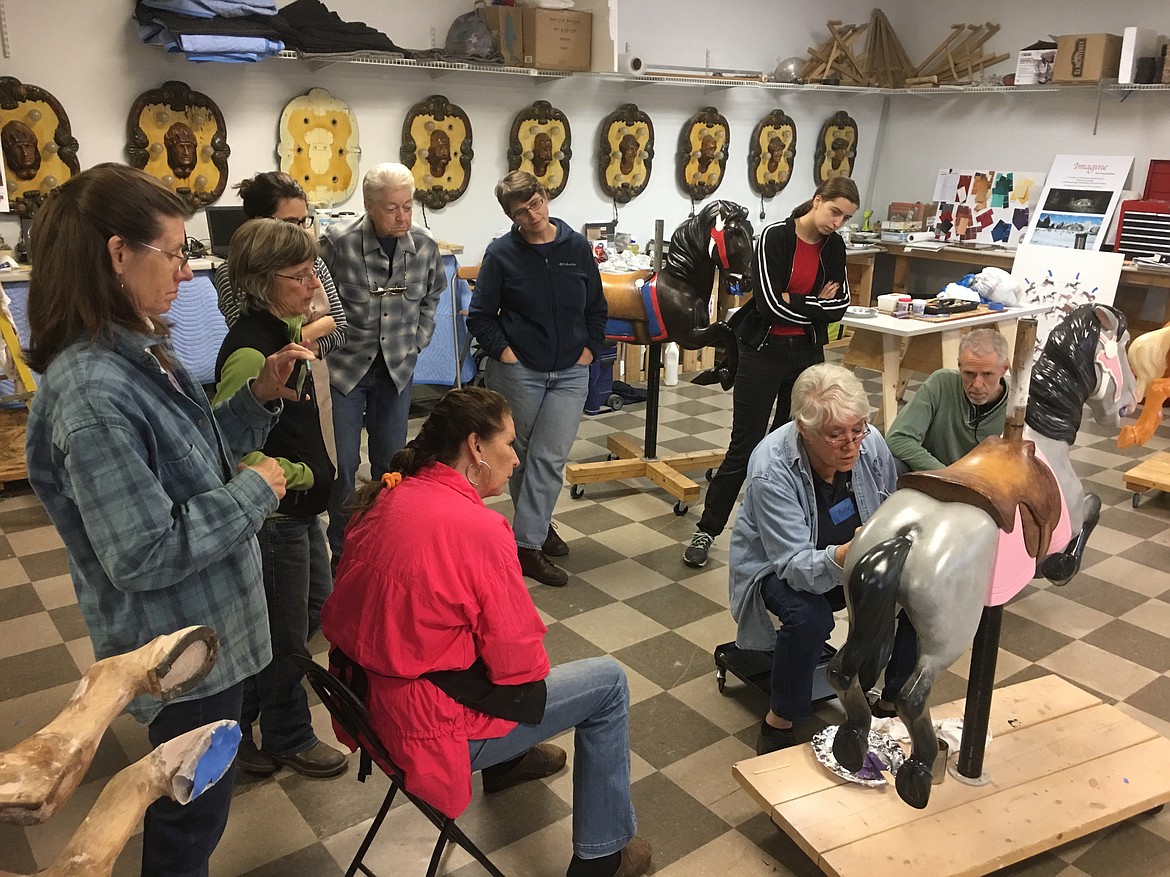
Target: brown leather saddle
999,476
623,295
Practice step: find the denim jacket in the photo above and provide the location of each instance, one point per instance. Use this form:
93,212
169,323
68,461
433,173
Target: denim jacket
776,528
140,480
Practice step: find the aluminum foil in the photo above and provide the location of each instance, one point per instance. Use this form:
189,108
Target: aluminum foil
885,754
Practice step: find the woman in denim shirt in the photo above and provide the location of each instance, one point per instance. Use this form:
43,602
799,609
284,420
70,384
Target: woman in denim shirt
811,484
139,476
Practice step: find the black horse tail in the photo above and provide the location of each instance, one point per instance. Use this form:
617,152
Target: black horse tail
873,596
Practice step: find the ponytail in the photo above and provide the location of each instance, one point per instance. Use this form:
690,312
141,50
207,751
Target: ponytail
456,416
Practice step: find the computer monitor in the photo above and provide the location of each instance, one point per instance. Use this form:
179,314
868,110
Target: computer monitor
222,223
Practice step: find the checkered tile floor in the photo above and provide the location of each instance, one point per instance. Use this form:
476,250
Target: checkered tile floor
630,596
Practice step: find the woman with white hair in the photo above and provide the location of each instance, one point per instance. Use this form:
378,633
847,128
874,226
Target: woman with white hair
389,276
810,485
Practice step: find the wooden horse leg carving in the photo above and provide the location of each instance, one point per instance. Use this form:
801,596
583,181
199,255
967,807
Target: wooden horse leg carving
1151,417
40,773
182,768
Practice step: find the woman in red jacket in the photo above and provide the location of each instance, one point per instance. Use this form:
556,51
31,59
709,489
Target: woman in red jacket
429,600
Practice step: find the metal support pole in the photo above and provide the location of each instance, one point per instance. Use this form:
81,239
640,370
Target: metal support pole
653,366
977,711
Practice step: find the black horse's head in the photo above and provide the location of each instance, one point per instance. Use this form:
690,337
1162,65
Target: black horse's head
719,233
1084,360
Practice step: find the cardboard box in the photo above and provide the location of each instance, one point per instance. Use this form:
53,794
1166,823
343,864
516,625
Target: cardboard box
1034,66
558,39
507,26
1087,57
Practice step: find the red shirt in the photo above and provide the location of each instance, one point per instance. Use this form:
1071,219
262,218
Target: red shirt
430,581
806,262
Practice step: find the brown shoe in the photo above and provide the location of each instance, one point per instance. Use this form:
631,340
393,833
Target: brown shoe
318,761
635,858
535,565
554,545
542,760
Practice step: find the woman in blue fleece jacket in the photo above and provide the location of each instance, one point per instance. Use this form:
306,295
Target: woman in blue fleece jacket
539,313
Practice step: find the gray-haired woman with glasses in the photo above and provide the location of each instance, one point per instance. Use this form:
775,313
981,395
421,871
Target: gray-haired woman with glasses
810,485
277,195
271,266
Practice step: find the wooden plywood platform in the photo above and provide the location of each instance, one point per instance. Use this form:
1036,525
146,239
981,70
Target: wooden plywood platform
1153,473
1062,764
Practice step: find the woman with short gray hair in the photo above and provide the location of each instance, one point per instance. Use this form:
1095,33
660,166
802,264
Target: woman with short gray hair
810,485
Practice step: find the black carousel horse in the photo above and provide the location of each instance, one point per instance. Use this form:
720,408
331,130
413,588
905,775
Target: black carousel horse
674,304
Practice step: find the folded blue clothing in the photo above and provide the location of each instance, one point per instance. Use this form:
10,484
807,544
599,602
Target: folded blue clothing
214,44
212,8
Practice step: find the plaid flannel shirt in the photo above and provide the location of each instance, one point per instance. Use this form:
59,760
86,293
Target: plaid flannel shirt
400,324
140,481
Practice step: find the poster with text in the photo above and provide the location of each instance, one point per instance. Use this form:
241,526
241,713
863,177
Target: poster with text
1079,201
1065,280
985,206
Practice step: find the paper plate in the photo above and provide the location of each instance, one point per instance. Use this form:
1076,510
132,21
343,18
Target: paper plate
860,312
884,754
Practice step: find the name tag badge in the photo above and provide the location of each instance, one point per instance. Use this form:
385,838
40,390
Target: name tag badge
842,511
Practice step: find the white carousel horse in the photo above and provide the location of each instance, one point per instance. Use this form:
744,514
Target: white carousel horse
948,543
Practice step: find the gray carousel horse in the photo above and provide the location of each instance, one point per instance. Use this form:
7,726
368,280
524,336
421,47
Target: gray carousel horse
948,543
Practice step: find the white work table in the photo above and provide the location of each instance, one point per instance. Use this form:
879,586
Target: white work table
895,346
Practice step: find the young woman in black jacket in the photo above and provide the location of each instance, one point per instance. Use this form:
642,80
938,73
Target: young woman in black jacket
800,288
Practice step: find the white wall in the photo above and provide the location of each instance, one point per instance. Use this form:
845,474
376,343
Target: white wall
1023,131
96,66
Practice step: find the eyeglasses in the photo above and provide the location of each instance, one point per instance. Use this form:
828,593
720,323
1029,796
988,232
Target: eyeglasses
844,439
305,279
184,254
531,207
303,222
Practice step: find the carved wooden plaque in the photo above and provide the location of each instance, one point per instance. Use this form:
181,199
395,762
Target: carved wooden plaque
626,153
836,148
540,143
319,146
179,136
40,151
702,153
436,146
771,154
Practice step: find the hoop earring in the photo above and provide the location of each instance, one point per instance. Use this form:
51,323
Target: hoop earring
477,464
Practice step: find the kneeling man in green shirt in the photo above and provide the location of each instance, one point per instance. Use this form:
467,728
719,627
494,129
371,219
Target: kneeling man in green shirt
954,410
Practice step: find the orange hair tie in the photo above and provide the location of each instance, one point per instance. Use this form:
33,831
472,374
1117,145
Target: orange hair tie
391,480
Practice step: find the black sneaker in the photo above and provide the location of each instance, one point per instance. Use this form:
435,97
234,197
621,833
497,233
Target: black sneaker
696,553
774,739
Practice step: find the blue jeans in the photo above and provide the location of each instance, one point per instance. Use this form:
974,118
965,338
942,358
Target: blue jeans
546,408
902,658
178,841
590,696
763,384
806,620
384,410
292,553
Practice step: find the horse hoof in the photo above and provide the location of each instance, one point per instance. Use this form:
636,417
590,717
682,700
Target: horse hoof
850,747
726,379
912,783
1060,568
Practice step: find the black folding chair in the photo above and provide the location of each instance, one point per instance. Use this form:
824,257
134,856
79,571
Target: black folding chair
350,713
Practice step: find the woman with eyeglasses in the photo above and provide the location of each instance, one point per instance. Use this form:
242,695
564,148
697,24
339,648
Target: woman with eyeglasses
810,485
271,267
539,312
278,195
142,479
